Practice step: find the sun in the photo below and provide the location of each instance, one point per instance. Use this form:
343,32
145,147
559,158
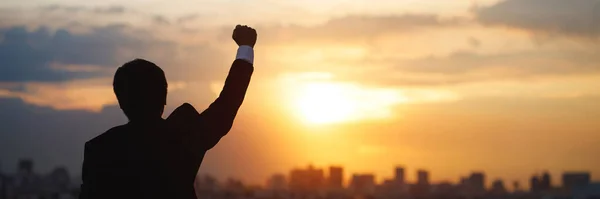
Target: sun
315,99
320,103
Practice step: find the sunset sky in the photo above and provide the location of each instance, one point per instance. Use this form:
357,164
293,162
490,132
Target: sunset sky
508,87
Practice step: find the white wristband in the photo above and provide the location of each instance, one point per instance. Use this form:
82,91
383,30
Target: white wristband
246,53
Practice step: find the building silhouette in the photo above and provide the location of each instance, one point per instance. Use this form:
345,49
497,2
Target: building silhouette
421,188
477,181
277,182
25,166
422,177
498,187
545,182
399,175
363,184
535,184
306,180
336,177
575,179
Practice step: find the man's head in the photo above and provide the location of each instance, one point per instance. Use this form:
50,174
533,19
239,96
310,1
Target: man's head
141,88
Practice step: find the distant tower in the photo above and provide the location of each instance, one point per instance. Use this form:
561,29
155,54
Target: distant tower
477,181
306,180
25,166
60,178
399,175
421,188
534,184
498,187
422,177
545,183
277,182
575,179
516,186
336,177
363,183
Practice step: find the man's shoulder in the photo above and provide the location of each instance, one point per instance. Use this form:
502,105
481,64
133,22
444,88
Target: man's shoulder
107,137
185,107
183,112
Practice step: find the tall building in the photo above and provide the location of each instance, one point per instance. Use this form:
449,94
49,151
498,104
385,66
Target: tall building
477,181
277,182
516,186
399,175
534,184
59,179
421,188
363,183
575,179
336,177
545,182
498,187
422,177
306,180
25,166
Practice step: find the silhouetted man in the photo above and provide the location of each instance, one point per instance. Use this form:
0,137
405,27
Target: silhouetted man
152,157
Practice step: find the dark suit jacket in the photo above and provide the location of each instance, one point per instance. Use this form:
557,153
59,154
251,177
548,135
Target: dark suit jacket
160,159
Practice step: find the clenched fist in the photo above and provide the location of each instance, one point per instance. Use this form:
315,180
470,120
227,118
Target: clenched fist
244,35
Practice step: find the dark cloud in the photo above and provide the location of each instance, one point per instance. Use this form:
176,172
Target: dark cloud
573,17
28,55
160,20
110,10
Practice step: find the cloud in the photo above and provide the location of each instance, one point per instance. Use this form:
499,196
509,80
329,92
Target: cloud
474,42
69,70
28,56
354,27
91,95
65,8
160,20
88,94
573,17
463,67
113,9
110,10
358,48
187,18
45,55
514,63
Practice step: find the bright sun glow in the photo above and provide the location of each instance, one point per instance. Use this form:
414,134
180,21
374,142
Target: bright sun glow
316,99
324,102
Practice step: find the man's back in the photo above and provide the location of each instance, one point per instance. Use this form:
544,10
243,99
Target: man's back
141,161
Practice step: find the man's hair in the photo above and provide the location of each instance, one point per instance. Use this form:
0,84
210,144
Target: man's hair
141,88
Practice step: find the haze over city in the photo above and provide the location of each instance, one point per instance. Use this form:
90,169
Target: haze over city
507,87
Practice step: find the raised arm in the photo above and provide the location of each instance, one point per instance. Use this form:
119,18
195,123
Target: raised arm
205,129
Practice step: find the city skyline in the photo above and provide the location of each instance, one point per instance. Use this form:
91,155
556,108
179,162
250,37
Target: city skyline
336,176
316,181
